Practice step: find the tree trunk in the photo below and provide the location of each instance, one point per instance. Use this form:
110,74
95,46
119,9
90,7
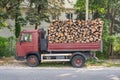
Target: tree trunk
17,23
36,26
112,18
108,10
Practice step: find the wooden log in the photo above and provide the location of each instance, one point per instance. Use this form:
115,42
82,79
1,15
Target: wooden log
75,31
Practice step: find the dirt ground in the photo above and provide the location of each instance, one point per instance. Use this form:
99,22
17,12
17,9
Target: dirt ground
11,62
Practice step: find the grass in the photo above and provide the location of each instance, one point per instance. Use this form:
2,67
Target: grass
103,63
89,63
55,64
111,65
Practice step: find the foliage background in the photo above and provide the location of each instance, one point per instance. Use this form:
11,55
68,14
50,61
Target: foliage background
4,47
108,10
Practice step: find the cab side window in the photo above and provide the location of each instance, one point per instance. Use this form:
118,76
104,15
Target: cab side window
26,37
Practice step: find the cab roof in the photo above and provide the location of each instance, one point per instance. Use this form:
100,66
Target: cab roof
30,31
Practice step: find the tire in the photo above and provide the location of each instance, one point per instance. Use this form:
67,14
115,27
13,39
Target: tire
32,61
78,61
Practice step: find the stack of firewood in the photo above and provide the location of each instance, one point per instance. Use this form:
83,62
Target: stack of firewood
75,31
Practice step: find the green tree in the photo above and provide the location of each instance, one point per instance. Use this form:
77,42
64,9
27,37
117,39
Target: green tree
113,9
80,9
37,12
108,10
11,10
106,41
17,23
55,7
116,45
3,16
3,46
96,8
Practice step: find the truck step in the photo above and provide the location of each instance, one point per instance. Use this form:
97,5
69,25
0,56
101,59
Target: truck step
56,60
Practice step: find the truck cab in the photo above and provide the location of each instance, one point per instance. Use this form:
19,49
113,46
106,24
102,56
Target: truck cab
28,42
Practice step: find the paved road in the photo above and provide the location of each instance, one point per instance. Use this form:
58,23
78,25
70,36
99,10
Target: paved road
60,73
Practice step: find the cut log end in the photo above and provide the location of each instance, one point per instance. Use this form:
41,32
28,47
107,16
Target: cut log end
77,31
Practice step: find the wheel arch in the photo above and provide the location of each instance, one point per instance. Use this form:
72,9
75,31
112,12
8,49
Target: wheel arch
34,53
78,53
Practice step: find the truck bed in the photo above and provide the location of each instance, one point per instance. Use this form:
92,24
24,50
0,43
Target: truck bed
96,46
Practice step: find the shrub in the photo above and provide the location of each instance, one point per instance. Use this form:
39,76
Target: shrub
116,45
106,42
4,47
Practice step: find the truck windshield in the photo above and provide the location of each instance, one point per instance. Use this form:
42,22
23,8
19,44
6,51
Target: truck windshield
26,37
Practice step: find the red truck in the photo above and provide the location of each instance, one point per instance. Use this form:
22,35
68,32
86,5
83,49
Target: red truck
33,46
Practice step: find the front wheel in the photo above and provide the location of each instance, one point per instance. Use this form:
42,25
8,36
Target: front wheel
78,61
32,60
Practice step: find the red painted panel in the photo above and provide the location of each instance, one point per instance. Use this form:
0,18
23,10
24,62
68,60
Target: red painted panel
74,46
22,48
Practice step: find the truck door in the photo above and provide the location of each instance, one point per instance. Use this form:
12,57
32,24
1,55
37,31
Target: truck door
25,44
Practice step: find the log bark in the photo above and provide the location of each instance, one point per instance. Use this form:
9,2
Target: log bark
70,31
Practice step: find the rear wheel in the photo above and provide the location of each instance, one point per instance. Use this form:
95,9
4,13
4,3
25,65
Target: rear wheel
78,61
32,60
